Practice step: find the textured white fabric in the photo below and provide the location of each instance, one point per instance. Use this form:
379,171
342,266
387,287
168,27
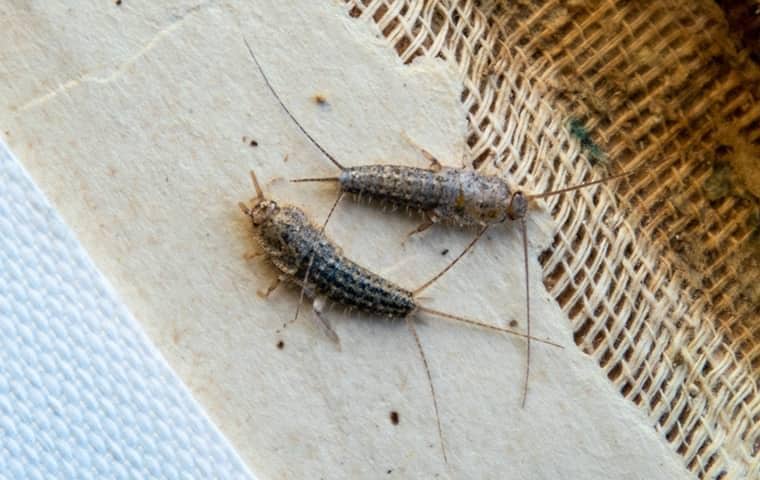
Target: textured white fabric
82,392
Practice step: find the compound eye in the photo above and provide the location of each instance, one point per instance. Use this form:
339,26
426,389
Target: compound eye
518,206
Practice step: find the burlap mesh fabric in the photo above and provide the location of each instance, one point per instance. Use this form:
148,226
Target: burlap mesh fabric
658,273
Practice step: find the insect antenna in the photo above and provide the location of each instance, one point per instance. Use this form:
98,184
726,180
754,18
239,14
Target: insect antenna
582,185
524,228
410,324
259,195
292,117
456,318
259,191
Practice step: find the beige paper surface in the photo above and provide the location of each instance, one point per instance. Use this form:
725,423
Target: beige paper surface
137,121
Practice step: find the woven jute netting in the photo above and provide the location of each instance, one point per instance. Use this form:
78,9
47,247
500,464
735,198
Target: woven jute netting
657,272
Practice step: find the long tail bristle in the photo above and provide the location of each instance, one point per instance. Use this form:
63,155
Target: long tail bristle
452,263
320,179
476,323
292,117
410,324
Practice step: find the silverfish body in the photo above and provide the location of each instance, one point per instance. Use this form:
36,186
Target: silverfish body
450,195
295,245
305,256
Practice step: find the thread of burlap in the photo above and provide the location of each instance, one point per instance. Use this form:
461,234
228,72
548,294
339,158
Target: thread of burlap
658,273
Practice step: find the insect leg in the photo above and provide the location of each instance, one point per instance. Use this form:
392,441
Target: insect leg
322,321
318,305
410,324
427,223
264,293
253,255
303,288
435,165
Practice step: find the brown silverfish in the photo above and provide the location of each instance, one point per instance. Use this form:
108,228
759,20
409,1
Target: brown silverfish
305,256
453,196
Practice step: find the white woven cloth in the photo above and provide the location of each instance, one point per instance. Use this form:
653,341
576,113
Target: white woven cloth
82,392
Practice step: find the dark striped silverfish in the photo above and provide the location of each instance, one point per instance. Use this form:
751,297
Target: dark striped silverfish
304,255
453,196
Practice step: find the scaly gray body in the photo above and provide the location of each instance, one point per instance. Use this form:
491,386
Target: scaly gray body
292,243
449,195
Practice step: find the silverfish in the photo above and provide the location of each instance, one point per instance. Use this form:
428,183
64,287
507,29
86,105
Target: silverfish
453,196
305,256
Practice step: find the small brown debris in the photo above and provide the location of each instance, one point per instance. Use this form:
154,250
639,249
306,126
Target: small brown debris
394,417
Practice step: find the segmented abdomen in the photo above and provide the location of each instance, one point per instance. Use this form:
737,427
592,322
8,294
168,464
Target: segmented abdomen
451,195
292,242
397,185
